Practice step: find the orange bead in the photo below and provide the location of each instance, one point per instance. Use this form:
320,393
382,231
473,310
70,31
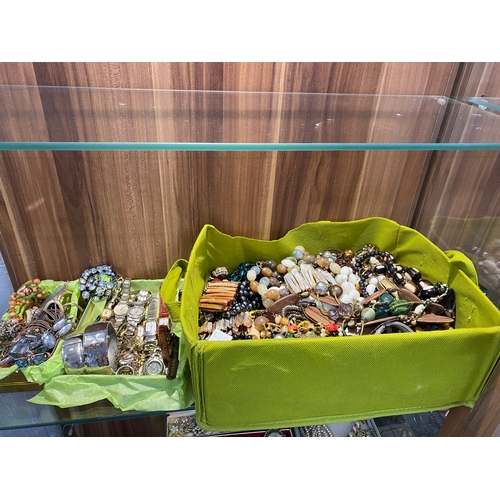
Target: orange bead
281,268
273,294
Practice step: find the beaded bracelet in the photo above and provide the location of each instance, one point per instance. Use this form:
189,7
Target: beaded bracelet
98,283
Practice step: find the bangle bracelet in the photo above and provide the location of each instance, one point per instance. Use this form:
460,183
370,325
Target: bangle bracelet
397,324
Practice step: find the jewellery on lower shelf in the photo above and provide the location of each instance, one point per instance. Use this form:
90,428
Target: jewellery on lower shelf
275,433
185,426
182,426
97,283
358,431
315,431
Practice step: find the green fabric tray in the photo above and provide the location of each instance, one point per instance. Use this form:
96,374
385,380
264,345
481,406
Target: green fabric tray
126,392
255,384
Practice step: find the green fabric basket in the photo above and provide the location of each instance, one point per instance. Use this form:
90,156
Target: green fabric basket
126,392
256,384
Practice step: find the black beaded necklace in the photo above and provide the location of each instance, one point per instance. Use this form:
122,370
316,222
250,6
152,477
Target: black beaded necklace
389,267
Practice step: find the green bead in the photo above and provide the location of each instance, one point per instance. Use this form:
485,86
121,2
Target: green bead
367,314
400,307
386,298
381,310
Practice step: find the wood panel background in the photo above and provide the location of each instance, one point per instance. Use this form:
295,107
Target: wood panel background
62,212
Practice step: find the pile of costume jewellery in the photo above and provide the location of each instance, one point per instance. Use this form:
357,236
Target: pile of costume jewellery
34,324
333,294
131,336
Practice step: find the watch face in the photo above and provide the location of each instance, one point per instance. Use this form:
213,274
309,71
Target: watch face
151,327
153,367
106,314
121,309
135,312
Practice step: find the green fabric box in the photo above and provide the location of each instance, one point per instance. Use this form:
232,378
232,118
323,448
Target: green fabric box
256,384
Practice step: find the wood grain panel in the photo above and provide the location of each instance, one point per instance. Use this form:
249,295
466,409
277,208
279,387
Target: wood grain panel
37,214
142,211
353,185
231,192
476,79
17,73
399,78
313,186
351,78
12,74
342,186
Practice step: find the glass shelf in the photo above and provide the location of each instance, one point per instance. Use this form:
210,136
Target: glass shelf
16,412
78,118
489,103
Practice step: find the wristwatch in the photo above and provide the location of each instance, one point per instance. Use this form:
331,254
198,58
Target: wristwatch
108,311
137,311
122,307
135,315
150,327
154,364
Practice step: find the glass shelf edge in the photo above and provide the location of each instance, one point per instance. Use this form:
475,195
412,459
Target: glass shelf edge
483,103
172,146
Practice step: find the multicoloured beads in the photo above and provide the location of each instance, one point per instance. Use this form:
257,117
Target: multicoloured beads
331,293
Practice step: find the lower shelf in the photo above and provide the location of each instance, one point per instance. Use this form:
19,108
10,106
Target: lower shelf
19,417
